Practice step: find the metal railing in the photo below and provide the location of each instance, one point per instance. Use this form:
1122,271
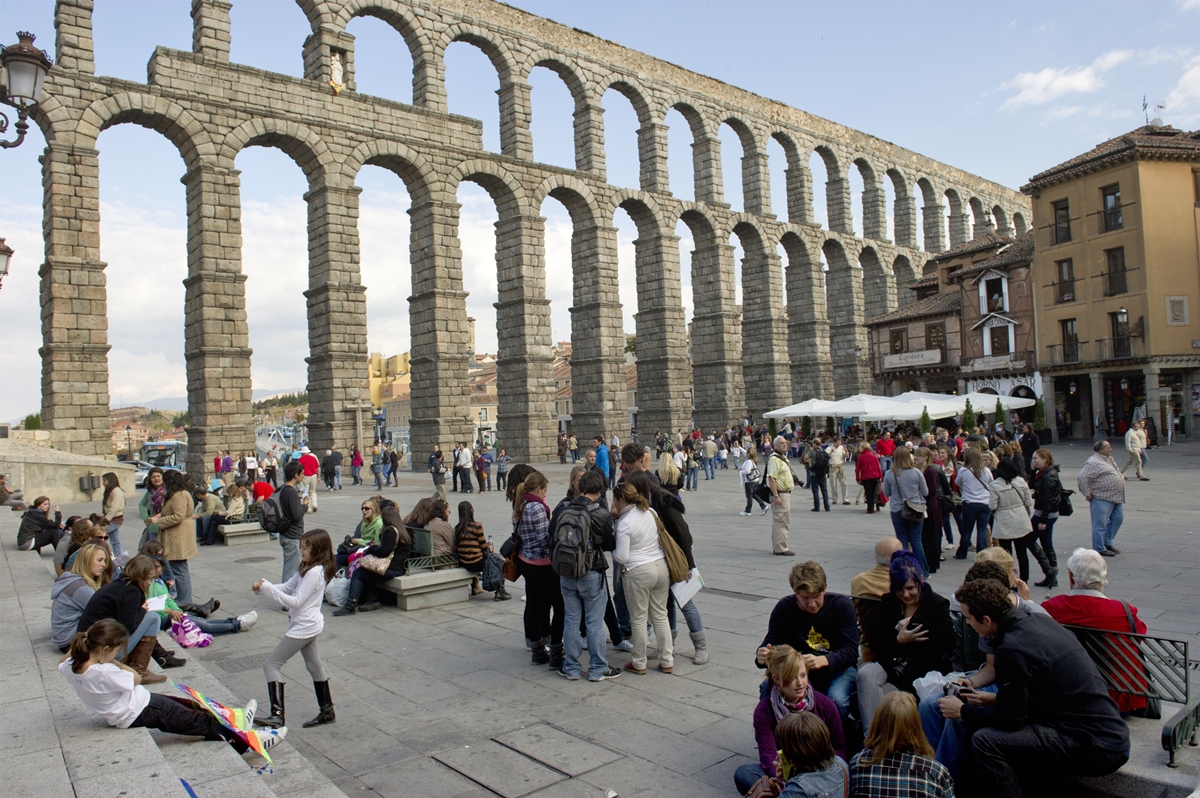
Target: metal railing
1115,348
1064,292
422,551
1062,232
1115,282
1070,352
1111,219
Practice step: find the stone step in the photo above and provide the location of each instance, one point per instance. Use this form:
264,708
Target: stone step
423,589
243,534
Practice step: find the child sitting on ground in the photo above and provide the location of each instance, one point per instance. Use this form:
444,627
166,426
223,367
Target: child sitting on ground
114,691
172,612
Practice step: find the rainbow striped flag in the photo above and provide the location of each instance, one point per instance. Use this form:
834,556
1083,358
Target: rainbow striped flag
233,719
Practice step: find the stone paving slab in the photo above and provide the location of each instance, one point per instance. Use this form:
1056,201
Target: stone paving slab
502,770
562,751
412,688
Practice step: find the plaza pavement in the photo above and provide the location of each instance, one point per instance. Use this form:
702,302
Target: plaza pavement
445,702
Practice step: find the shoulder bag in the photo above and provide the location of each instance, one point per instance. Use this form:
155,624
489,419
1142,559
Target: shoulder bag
911,510
677,566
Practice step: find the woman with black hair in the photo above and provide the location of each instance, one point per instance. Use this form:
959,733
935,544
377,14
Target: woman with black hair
38,529
474,551
1012,507
394,544
113,508
151,503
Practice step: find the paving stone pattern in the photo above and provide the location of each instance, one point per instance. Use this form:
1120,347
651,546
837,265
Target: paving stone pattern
445,702
754,360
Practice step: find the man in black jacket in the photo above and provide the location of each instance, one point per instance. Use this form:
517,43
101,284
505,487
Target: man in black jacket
823,628
1051,713
585,598
293,509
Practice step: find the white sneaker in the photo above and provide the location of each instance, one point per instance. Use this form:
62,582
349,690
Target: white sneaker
624,645
269,738
251,708
585,648
246,622
744,512
765,508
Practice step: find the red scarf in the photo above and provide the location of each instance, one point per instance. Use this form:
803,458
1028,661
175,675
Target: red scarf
533,497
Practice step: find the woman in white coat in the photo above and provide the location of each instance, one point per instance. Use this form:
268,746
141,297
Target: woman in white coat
646,579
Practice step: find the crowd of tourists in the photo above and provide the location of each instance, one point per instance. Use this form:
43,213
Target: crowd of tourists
860,696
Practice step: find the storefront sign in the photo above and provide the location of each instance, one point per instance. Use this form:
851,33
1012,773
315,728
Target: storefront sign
1007,386
904,360
995,362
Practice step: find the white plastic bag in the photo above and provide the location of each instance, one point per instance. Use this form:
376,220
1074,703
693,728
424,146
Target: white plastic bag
338,590
932,684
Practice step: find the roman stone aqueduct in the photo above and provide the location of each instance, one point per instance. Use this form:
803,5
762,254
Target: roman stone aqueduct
211,109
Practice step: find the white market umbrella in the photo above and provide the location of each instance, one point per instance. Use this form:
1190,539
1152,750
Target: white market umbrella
912,410
811,407
986,402
859,404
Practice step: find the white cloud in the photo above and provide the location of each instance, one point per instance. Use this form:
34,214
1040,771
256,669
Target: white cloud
1189,5
1039,88
1186,94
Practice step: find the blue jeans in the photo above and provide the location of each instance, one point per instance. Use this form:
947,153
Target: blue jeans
1106,522
356,474
624,624
820,490
691,615
745,777
885,464
710,468
693,478
183,581
337,477
909,533
291,557
214,626
974,516
147,628
1045,536
114,539
949,738
584,599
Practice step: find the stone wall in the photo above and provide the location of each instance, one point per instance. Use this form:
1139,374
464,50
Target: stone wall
211,109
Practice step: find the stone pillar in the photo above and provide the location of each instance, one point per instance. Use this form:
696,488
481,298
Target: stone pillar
960,229
589,139
321,48
652,157
598,394
1051,403
764,335
846,331
74,302
718,388
1005,229
664,398
216,337
837,202
879,290
874,212
799,195
429,90
1153,398
525,421
73,48
337,318
984,224
706,162
756,184
904,219
440,332
808,332
1098,405
934,224
210,34
515,115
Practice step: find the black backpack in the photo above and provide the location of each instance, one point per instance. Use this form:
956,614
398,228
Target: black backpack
818,461
270,515
571,546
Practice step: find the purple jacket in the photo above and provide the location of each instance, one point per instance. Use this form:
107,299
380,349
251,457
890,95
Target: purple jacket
764,729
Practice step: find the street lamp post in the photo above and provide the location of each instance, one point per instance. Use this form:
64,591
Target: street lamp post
128,443
6,253
25,69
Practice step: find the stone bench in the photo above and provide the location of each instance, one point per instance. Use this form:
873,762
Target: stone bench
423,589
242,534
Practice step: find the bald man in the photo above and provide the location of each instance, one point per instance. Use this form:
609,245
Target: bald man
872,585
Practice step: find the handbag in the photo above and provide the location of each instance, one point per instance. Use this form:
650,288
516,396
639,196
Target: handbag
376,565
677,567
912,511
1064,503
510,569
1153,708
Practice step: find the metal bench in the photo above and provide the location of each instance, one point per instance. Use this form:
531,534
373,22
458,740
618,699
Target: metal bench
422,552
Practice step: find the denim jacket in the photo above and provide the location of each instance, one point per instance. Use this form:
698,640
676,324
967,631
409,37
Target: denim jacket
828,783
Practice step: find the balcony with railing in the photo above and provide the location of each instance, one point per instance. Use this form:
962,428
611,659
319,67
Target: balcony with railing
1119,348
1064,292
1115,282
1065,354
1111,219
1062,232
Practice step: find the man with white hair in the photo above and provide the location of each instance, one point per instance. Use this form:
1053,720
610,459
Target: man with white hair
1101,483
781,482
1086,605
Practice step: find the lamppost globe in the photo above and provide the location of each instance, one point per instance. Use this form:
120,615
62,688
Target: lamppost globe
25,68
6,253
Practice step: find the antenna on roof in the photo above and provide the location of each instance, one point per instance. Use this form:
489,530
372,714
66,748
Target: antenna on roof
1144,109
1157,120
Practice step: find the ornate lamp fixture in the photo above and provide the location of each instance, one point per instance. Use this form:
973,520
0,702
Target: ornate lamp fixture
25,69
6,253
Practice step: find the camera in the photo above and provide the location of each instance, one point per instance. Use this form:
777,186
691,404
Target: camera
956,690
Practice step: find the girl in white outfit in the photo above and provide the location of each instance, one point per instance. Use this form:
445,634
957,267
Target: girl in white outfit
646,580
302,596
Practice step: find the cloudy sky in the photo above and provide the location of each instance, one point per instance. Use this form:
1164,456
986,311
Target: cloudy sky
1001,90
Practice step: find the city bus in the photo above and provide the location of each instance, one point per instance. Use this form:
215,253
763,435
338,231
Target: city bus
167,455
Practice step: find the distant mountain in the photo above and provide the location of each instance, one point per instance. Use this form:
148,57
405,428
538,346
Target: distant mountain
179,403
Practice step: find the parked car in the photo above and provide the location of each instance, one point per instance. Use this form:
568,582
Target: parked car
139,478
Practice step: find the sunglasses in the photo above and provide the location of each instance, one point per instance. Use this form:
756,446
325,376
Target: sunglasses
366,509
99,537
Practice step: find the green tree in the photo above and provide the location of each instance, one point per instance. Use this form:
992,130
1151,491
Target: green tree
631,345
33,421
1000,417
968,419
806,426
772,428
1039,415
829,425
926,421
181,420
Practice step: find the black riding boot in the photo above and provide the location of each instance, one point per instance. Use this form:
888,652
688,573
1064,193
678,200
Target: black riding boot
556,656
1051,579
165,658
350,608
276,718
325,703
1050,572
540,655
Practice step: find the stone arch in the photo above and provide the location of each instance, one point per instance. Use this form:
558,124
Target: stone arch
629,87
932,219
408,25
874,208
301,144
494,47
318,12
904,214
1001,219
753,176
837,190
150,111
505,189
53,118
847,335
560,66
905,272
407,164
764,320
575,195
879,284
798,179
1019,223
807,321
980,217
959,222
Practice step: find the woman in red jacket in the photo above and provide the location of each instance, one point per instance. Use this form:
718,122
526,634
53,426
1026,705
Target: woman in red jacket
868,473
